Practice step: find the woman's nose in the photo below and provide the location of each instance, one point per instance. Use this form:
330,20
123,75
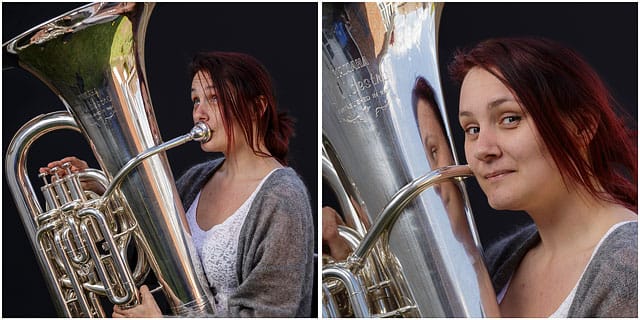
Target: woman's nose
486,146
200,113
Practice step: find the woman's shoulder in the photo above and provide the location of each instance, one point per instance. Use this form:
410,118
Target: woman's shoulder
286,182
282,207
283,194
609,285
620,247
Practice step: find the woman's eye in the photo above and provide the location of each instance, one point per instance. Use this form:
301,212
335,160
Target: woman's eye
196,101
472,130
511,120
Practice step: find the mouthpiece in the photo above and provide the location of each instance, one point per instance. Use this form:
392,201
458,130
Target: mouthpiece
201,132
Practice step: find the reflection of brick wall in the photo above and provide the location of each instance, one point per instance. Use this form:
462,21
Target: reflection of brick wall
366,28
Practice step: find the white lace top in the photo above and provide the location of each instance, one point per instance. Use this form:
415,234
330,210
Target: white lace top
217,248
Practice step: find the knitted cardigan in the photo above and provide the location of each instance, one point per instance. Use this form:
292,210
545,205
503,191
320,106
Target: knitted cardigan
275,249
609,285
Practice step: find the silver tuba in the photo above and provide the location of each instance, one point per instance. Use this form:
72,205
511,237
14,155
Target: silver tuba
389,159
93,59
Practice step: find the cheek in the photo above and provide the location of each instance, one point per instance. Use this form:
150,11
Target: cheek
217,115
467,152
446,152
443,158
527,146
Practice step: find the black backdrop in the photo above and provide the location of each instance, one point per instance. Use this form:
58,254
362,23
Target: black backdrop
284,37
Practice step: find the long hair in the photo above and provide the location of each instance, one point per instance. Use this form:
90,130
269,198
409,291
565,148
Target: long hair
241,82
566,99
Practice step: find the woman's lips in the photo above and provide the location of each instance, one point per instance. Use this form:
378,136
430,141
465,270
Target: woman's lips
497,174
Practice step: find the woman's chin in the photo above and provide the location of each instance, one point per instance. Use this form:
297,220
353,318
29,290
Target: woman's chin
502,204
209,148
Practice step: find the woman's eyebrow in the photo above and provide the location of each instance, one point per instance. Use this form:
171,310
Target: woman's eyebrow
498,102
209,87
491,105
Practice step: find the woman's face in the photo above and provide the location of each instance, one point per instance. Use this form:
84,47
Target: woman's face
434,140
503,147
206,109
438,152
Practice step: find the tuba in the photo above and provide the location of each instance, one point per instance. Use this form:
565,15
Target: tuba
93,60
416,252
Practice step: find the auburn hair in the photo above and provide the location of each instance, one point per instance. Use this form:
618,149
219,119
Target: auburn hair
567,100
242,85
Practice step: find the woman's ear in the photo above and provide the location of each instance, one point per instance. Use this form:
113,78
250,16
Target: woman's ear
261,102
584,129
587,130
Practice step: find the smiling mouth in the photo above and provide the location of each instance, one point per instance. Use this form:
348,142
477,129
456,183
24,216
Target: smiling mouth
497,174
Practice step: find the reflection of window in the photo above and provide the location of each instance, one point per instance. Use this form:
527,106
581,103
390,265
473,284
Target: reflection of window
387,11
131,98
341,33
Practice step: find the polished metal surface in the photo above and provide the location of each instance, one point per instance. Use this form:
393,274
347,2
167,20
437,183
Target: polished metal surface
200,133
93,59
379,140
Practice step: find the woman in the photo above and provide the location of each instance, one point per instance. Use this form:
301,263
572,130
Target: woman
248,214
539,126
541,136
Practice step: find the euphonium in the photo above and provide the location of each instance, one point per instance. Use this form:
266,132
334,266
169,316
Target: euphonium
416,252
93,59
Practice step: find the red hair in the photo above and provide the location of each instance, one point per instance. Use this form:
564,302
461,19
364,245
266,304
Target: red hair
554,84
241,82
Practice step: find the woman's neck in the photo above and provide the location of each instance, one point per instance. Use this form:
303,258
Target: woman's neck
243,163
576,221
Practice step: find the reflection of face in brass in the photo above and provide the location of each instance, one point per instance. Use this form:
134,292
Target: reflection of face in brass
432,135
436,145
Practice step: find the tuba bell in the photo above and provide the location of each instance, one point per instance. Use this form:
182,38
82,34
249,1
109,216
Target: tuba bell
416,252
92,58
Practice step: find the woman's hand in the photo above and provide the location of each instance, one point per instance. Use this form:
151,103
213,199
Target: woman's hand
332,243
77,165
148,308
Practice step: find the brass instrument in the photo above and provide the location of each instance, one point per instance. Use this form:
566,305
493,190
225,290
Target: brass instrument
416,252
93,59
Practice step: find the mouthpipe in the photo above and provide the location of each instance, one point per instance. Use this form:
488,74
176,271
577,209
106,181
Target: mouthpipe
200,132
397,203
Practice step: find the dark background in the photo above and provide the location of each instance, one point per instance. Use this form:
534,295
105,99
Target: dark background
284,38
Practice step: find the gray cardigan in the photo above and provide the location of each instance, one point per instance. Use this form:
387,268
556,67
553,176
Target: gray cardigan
275,248
609,286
